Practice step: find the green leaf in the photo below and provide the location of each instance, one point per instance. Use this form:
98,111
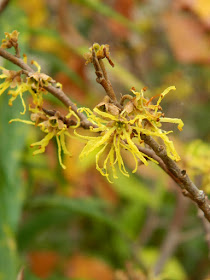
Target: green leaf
11,146
172,269
105,10
131,217
134,189
92,208
38,223
11,186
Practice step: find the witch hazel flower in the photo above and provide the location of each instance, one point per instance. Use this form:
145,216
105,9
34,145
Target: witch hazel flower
120,130
52,126
13,81
151,117
114,134
34,84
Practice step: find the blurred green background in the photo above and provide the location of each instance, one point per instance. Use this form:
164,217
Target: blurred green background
73,224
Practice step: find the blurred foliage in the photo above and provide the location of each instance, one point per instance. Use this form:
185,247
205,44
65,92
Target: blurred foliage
72,224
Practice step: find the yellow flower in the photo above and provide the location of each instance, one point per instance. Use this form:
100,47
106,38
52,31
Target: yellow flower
36,81
119,131
12,80
115,134
53,126
6,84
34,84
150,118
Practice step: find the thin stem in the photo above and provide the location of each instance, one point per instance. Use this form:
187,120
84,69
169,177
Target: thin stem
103,69
68,122
102,77
171,241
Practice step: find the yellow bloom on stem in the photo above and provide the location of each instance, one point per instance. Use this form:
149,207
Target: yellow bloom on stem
36,82
13,80
53,126
6,84
117,131
151,119
115,134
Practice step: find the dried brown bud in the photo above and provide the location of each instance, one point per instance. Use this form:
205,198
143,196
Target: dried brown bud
129,107
10,40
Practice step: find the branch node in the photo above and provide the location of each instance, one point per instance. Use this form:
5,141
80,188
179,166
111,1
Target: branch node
160,148
200,197
183,172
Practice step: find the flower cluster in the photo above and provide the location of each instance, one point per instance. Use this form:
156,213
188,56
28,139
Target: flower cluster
101,52
119,130
19,84
52,126
11,40
116,127
150,118
34,83
13,80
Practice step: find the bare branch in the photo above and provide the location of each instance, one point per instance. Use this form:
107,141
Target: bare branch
68,122
181,176
151,223
102,77
57,92
3,5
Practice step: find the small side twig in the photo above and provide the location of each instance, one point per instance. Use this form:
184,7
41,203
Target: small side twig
206,227
171,241
151,223
102,77
68,122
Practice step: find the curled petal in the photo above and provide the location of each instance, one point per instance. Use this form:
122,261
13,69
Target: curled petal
43,143
135,149
59,152
97,160
162,96
63,144
96,142
37,65
173,120
3,87
119,157
72,113
126,147
23,121
105,115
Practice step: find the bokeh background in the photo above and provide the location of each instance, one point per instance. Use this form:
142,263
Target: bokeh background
73,224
